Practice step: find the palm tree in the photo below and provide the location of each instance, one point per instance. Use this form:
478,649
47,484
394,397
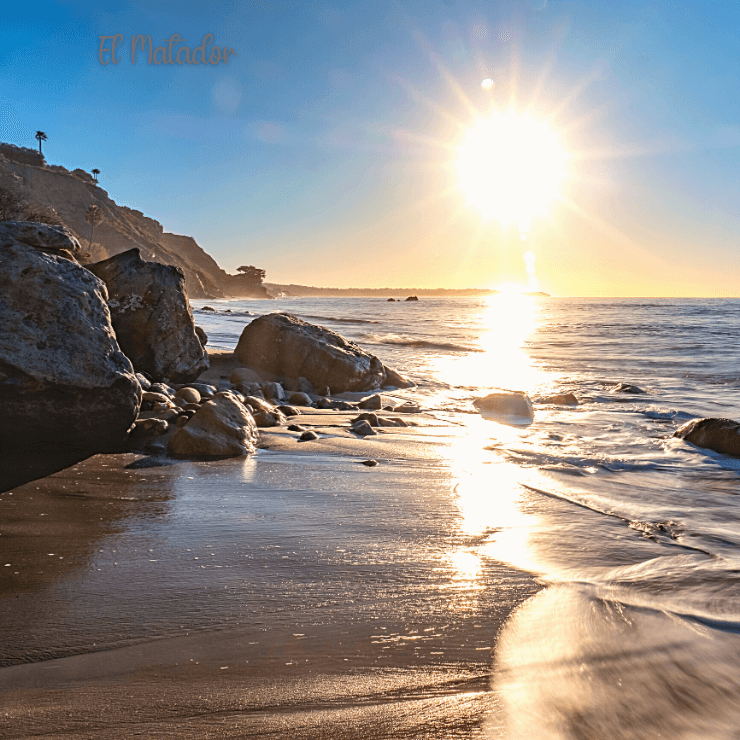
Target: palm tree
95,174
93,216
41,136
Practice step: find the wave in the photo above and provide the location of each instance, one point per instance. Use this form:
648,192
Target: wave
398,340
336,320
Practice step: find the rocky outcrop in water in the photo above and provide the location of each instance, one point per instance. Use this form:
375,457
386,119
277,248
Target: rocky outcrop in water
64,381
152,318
286,346
720,435
509,404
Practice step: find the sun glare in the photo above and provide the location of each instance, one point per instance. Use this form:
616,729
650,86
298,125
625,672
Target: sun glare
510,167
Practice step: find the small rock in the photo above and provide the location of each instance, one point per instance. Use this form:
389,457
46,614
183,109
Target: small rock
265,419
370,463
191,407
169,414
363,429
206,390
391,300
258,404
561,399
300,399
371,419
412,298
626,388
307,436
144,382
407,408
189,395
182,420
374,402
273,391
288,410
505,404
202,336
162,388
151,426
153,397
296,428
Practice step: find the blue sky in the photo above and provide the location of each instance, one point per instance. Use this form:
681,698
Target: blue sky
325,150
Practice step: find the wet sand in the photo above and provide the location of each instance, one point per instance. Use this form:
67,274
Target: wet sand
296,593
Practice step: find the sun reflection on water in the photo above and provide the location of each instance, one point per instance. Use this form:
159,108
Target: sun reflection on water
501,361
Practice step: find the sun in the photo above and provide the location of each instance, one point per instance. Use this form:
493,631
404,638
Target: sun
510,167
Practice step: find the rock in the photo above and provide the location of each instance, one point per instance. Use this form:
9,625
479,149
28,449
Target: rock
257,404
208,309
626,388
153,397
64,381
162,388
300,399
206,391
560,399
143,381
412,298
189,395
288,410
407,407
268,418
191,407
391,300
307,436
371,419
244,375
394,379
334,405
371,402
54,240
290,347
296,428
222,427
273,391
151,317
202,336
385,422
150,426
363,429
182,420
370,463
168,415
505,404
720,435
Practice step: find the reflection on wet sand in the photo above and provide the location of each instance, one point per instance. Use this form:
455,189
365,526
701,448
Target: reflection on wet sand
358,594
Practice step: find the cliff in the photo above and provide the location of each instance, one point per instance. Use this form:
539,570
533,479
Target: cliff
70,193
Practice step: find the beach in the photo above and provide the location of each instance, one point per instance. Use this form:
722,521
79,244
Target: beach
319,598
569,576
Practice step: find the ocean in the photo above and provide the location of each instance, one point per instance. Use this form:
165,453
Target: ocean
634,534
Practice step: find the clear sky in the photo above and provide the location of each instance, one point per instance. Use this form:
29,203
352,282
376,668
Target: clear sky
326,150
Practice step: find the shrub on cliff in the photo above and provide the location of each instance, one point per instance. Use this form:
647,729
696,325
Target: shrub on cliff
12,205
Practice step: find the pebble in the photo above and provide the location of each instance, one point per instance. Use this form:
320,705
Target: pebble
363,429
296,428
371,402
307,436
370,463
189,395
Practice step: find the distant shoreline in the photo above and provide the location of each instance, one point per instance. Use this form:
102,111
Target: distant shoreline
307,291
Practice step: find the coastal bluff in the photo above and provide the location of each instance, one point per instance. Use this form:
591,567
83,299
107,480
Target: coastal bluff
71,192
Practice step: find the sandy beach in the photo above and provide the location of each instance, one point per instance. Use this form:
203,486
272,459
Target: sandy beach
132,606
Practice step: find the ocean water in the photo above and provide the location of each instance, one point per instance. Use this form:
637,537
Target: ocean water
634,534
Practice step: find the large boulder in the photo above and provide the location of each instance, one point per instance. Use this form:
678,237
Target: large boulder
64,381
720,435
287,346
152,318
222,427
56,240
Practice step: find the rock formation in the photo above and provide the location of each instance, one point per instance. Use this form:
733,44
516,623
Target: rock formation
720,435
152,318
289,347
71,193
64,381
